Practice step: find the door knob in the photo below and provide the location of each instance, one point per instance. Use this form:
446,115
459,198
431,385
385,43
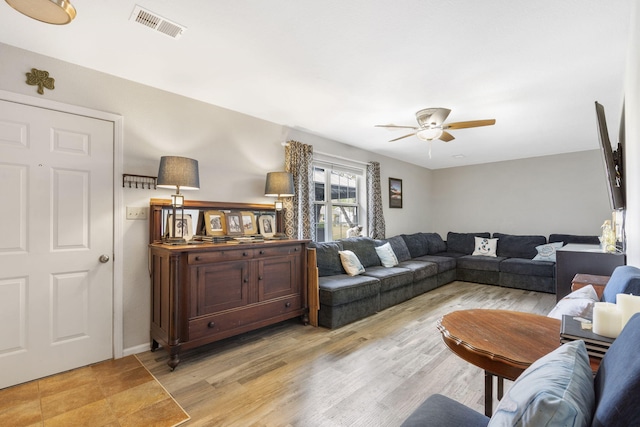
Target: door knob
104,258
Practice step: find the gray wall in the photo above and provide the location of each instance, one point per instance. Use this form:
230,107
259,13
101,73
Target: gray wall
541,195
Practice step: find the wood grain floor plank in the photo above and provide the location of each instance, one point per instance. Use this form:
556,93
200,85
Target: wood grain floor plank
373,372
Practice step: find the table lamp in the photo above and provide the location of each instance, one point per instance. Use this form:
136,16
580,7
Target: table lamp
179,173
279,184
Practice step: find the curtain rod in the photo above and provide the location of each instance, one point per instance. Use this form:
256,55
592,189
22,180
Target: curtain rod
341,158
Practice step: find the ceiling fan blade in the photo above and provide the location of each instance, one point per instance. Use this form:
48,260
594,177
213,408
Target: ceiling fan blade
446,136
395,127
469,124
405,136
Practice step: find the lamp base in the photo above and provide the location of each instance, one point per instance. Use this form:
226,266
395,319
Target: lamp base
174,241
278,236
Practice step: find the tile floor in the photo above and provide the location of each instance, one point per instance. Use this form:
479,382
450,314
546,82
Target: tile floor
113,393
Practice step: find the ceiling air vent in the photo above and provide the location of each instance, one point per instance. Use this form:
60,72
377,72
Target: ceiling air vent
157,22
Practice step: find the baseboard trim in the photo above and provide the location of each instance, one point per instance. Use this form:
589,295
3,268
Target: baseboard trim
136,349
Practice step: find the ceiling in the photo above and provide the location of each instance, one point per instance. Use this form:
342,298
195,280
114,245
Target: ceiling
336,68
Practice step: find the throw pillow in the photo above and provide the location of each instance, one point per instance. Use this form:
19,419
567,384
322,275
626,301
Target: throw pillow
577,303
556,390
547,252
485,246
386,255
351,263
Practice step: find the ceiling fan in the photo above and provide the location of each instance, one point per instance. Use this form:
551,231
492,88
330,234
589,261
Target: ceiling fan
431,125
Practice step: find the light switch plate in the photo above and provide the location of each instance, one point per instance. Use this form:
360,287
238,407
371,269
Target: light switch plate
136,213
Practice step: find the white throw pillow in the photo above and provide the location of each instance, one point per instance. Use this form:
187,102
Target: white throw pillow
485,246
547,252
577,303
351,263
387,256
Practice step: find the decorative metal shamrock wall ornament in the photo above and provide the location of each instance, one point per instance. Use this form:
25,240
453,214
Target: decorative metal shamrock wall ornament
41,79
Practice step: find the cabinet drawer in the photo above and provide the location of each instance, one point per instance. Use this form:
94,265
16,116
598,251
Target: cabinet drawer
276,251
240,319
222,255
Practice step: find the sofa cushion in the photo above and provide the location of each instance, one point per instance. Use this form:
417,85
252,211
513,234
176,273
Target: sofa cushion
481,263
421,270
463,242
617,383
351,263
390,278
577,303
572,238
399,248
439,410
436,244
556,389
364,248
444,263
528,267
547,252
343,289
327,257
387,256
515,246
417,243
485,247
625,279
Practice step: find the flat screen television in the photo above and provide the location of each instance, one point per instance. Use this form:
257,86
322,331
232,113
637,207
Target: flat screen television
612,161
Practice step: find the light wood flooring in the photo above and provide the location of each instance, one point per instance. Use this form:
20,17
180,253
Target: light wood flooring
373,372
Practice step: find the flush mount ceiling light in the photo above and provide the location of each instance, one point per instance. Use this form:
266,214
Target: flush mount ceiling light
58,12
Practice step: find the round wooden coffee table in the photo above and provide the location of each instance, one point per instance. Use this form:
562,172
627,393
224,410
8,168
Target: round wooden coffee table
503,343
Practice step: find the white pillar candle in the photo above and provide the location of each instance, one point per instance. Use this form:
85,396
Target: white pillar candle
607,319
629,305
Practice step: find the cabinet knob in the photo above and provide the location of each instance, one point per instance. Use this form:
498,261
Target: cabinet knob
211,324
198,258
246,280
244,254
259,277
295,249
261,252
288,304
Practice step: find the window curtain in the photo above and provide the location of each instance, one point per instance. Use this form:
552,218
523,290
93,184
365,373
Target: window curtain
298,220
375,216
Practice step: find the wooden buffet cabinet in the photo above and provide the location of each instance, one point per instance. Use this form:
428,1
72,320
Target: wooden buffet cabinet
201,293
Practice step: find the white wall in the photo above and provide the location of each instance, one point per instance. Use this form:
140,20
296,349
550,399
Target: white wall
632,143
553,194
235,151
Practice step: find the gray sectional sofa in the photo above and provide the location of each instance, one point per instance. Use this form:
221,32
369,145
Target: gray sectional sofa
425,262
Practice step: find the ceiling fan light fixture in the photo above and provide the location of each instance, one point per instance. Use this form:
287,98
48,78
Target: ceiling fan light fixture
58,12
429,134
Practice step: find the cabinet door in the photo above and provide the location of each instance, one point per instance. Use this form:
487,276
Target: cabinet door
222,286
278,277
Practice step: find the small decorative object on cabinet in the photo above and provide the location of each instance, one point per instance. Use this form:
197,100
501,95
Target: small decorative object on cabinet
204,293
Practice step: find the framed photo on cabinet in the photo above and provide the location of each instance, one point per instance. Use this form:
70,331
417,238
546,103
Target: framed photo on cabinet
267,225
234,224
184,226
395,193
249,226
214,223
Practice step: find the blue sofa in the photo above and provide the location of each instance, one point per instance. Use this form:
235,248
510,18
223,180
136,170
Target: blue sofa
425,262
558,389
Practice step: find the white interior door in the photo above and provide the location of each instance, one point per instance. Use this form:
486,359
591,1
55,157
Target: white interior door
56,241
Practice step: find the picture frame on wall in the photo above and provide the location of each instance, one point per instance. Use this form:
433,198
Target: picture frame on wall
248,223
184,226
267,225
234,224
395,193
215,224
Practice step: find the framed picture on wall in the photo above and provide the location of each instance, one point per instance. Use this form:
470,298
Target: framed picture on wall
395,193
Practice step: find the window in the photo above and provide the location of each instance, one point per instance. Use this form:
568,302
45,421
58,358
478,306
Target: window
337,191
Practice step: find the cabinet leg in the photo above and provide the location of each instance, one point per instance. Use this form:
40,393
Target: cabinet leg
174,357
154,345
305,319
